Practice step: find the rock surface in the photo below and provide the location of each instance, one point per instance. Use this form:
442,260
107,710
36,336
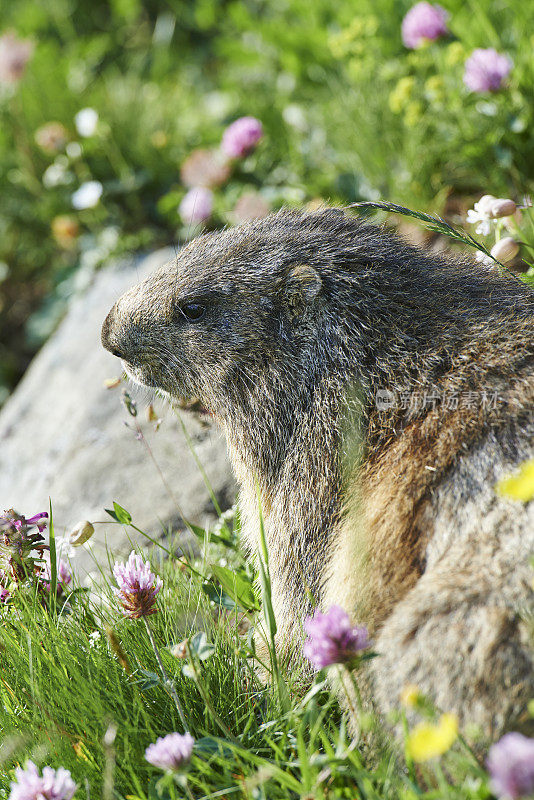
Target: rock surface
63,436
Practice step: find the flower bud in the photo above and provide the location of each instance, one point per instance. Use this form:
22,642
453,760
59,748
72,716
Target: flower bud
117,648
129,403
410,695
503,208
81,533
505,250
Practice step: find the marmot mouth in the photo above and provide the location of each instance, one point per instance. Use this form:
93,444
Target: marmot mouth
132,373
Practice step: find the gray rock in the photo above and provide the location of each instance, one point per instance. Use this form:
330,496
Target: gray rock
63,436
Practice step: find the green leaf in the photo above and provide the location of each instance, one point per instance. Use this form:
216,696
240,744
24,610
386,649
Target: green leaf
53,557
149,679
119,514
211,746
204,534
200,646
240,588
217,596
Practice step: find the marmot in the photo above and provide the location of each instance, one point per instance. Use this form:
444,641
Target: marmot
299,329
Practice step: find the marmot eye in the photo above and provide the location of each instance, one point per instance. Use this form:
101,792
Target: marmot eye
193,311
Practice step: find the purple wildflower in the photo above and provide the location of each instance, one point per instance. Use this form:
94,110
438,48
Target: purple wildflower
138,587
511,766
171,752
204,168
4,591
241,137
423,21
13,521
52,785
14,55
17,544
250,205
485,70
332,638
64,575
38,519
196,206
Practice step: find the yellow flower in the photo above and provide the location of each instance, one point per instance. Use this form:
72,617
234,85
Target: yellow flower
401,94
341,43
454,54
371,25
410,695
434,87
159,139
519,486
346,41
355,68
434,83
427,741
414,112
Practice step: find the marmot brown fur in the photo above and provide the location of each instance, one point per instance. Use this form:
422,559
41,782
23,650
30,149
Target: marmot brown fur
375,394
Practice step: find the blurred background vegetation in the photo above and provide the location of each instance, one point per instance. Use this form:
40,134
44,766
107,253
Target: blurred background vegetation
348,113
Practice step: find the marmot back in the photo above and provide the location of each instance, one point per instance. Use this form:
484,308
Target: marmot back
375,394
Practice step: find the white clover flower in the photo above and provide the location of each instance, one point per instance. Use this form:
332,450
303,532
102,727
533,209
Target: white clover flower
172,752
57,175
53,784
73,150
482,214
474,215
294,115
109,237
88,195
64,548
86,121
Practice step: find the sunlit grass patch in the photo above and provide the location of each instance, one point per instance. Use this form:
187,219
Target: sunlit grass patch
87,687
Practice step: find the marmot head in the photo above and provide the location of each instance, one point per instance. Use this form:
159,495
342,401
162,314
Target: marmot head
230,307
280,304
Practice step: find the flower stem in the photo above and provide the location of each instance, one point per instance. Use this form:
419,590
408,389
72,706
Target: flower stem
347,682
168,683
206,698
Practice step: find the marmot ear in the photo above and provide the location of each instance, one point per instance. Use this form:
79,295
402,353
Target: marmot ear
303,284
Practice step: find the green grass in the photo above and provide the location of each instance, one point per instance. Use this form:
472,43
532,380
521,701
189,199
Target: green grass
66,680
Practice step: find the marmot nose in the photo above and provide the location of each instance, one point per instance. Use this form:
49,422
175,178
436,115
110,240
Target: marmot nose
108,340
